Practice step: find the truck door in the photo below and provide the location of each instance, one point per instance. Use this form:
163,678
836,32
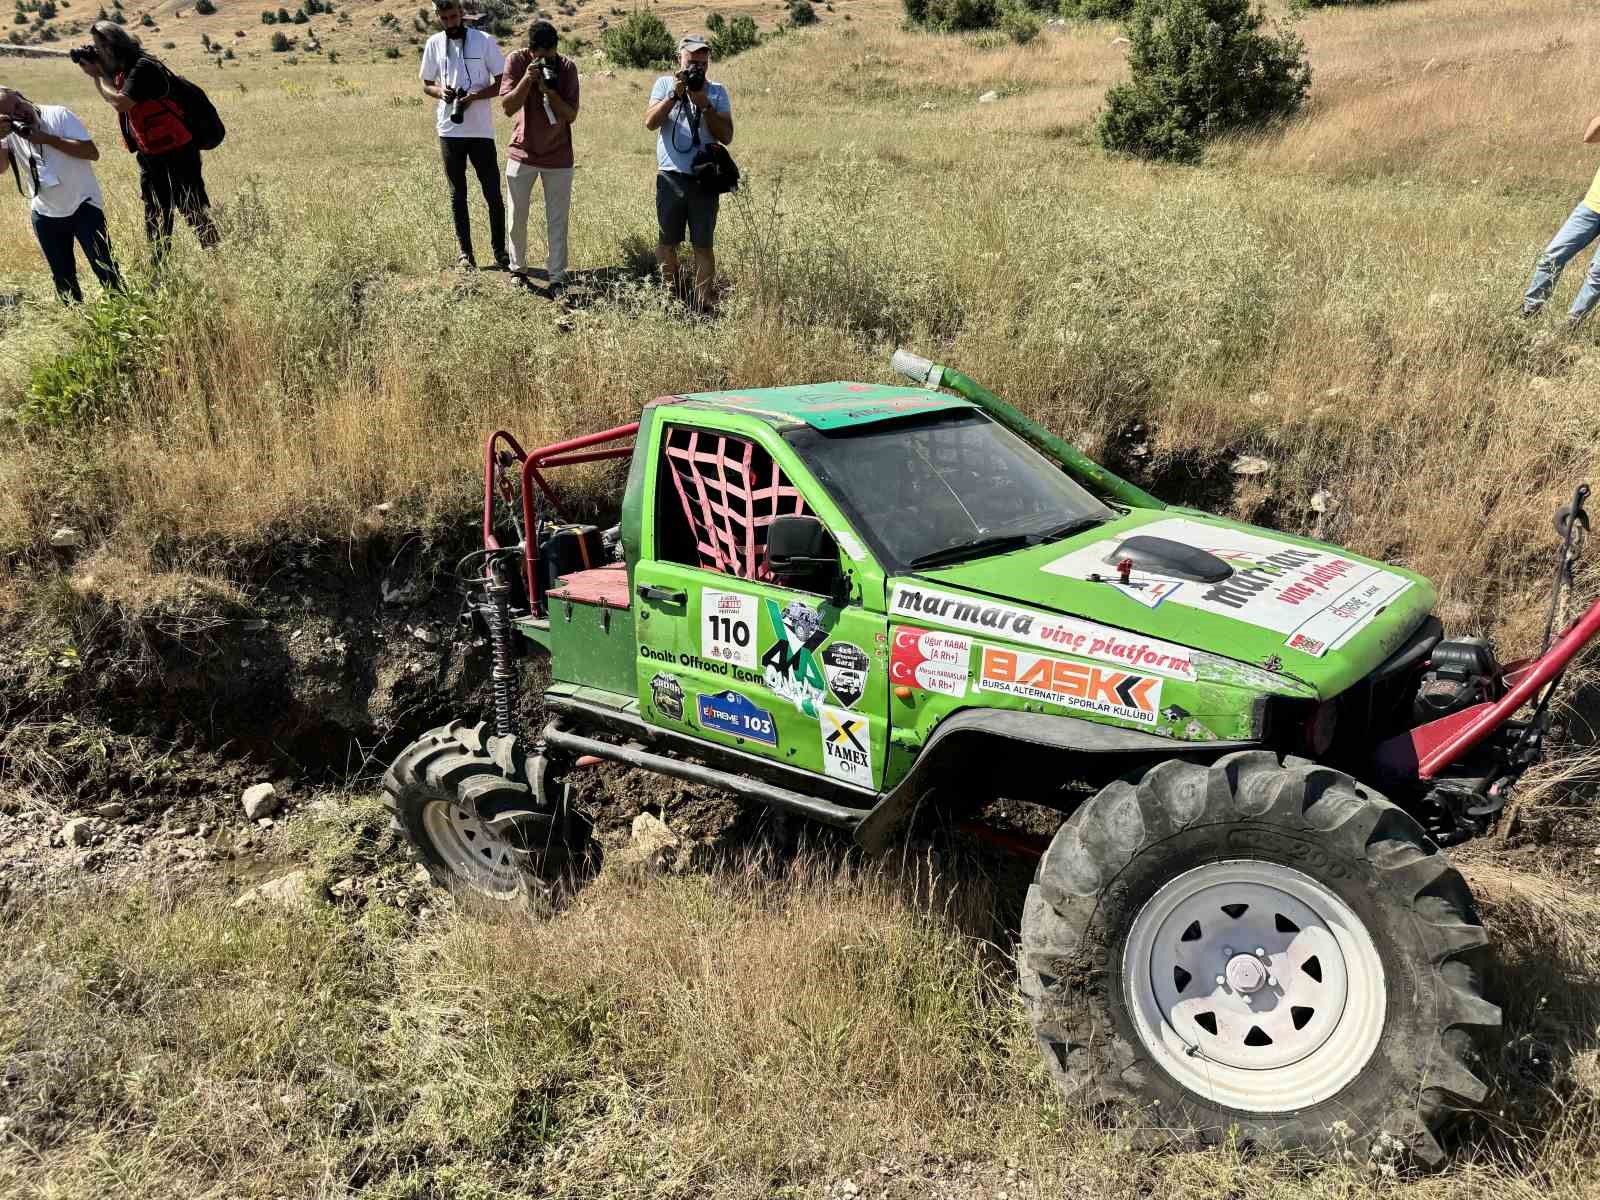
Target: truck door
732,655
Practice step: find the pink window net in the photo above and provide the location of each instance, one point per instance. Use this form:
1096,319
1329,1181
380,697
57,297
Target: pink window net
730,490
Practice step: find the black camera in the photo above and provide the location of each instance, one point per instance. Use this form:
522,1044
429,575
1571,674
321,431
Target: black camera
83,54
458,106
693,76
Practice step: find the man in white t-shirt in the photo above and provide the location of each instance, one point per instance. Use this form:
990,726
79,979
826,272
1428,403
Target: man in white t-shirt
461,68
50,154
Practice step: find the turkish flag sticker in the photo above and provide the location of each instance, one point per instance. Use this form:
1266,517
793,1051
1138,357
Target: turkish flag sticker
930,659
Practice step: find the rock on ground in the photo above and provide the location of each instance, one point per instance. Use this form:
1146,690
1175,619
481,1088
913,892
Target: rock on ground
259,800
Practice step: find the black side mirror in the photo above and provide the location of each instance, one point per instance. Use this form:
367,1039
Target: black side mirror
800,550
796,545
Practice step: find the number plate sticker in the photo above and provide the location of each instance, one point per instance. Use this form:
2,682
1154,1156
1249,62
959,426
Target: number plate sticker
729,712
728,627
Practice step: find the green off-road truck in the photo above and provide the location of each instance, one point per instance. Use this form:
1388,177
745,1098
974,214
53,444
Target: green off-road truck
865,603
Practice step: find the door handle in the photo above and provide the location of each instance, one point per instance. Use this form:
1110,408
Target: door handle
661,594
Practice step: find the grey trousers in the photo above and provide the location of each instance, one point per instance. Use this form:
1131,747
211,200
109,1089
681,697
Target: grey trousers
520,178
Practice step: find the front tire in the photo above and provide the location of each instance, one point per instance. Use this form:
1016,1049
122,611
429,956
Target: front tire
1259,949
445,791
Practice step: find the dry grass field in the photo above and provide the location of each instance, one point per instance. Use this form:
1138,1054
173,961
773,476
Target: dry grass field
1338,296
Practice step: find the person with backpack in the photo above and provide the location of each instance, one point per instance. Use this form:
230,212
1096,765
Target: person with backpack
51,157
166,122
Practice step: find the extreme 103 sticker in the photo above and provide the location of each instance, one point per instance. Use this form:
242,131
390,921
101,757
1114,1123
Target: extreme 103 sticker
729,712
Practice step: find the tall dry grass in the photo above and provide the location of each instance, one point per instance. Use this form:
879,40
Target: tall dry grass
1337,296
769,1029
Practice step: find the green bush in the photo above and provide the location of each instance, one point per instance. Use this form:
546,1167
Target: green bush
268,17
1020,23
1199,69
728,38
300,17
283,16
1095,10
802,13
281,41
952,16
641,39
392,52
114,339
204,7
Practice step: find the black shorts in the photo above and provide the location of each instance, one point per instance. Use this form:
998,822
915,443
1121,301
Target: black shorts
681,201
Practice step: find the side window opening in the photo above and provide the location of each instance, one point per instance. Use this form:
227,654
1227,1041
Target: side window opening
715,501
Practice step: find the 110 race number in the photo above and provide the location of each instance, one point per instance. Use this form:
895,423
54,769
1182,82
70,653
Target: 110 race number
728,627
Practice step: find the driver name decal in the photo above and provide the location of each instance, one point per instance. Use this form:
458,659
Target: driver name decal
1079,686
1085,639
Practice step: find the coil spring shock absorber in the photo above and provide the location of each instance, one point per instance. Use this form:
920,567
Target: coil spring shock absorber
503,675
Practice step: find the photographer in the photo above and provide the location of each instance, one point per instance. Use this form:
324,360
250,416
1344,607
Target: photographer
690,112
469,63
49,152
140,88
540,90
1581,227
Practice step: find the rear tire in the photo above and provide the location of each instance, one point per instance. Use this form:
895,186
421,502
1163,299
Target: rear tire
440,790
1342,938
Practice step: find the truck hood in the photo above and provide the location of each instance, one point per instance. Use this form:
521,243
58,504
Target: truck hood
1313,615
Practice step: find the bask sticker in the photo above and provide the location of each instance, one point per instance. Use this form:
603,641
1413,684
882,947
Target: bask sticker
846,665
846,746
1097,690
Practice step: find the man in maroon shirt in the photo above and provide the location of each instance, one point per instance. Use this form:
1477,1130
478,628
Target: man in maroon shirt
540,89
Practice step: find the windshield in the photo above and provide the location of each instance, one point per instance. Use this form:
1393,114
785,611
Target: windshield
941,489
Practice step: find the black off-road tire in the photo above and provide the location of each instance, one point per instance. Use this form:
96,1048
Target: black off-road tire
1254,814
451,769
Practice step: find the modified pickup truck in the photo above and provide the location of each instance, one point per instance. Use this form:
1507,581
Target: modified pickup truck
865,604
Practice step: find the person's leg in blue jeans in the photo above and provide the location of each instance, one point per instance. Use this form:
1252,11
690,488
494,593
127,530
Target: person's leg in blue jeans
1581,228
89,227
55,239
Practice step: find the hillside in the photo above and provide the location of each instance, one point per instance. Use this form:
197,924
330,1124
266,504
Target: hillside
366,29
232,507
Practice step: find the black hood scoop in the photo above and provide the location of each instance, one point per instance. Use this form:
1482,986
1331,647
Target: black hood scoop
1162,556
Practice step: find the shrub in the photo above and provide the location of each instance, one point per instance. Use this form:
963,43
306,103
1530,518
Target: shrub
1021,23
1200,68
951,16
300,17
95,378
392,52
1093,10
802,13
204,7
281,41
268,17
731,37
283,16
641,39
47,10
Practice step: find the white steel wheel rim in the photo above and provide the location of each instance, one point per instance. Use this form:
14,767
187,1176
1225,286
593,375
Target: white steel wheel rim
1284,1029
478,856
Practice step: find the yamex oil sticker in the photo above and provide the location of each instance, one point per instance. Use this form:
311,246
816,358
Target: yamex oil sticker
930,659
846,746
1065,635
1317,598
728,627
1079,686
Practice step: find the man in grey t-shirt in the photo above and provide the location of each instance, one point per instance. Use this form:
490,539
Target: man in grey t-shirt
690,112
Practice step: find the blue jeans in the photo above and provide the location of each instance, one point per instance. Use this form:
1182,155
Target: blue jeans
1582,227
87,227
